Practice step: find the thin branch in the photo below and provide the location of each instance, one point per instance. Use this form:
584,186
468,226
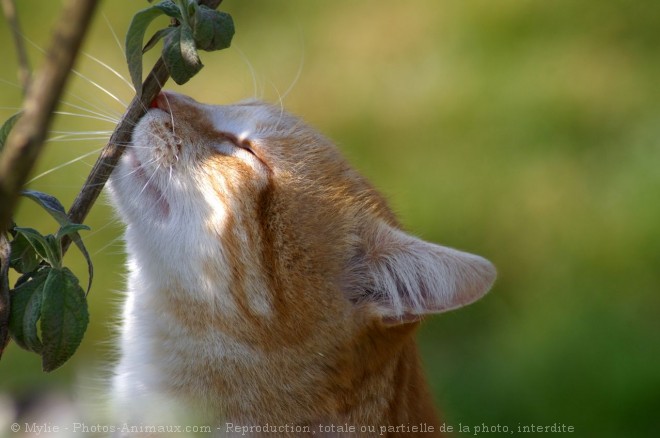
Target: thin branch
24,70
121,136
26,139
25,142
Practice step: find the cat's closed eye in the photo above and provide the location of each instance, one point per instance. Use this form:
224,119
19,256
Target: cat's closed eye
240,143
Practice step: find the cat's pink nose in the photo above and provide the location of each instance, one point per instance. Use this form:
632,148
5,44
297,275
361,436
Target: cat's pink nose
160,101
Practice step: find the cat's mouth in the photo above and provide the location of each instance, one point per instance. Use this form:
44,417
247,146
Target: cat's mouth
146,184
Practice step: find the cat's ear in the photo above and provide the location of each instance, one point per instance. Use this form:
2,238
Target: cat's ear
402,278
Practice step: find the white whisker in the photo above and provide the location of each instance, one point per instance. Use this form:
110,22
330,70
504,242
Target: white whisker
112,70
116,38
109,244
101,109
81,132
108,93
66,138
113,167
75,160
80,75
250,67
96,230
86,116
142,166
62,139
301,64
281,104
10,83
149,180
96,113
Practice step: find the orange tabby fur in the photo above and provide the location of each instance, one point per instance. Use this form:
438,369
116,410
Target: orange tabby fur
270,282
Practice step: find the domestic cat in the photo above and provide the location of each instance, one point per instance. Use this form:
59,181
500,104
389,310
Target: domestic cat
269,283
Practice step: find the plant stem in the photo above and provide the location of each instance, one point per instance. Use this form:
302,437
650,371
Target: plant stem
110,155
26,140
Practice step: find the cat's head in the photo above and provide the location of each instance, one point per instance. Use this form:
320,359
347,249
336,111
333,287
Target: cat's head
251,211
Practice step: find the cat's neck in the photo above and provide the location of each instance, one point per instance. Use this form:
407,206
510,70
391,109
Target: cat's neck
377,379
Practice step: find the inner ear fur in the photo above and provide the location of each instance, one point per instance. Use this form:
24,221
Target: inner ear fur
402,278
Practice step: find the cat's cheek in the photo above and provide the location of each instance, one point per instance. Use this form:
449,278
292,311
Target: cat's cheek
136,201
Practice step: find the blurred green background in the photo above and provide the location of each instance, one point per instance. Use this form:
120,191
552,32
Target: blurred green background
524,131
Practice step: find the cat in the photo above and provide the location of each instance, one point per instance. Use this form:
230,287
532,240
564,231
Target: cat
269,282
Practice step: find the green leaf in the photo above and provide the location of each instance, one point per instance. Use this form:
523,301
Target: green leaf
55,208
157,37
213,30
49,203
55,249
169,8
180,55
70,229
24,278
25,311
134,39
200,26
213,4
39,243
189,50
190,11
23,257
64,318
6,128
